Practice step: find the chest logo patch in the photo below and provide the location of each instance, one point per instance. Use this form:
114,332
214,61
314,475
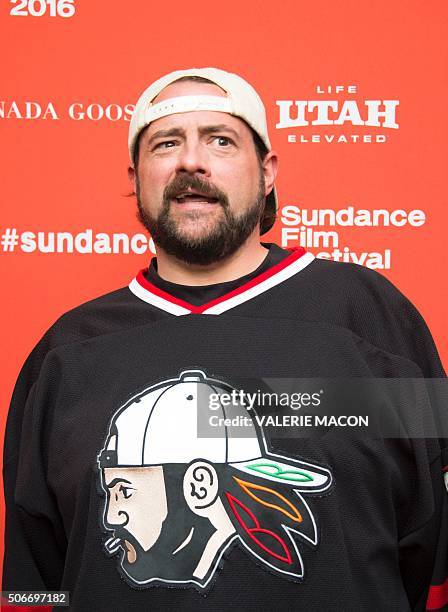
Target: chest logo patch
178,494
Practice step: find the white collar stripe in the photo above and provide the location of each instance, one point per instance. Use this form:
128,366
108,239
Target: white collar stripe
156,300
147,295
275,279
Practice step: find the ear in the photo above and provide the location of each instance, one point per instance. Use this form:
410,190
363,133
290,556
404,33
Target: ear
270,168
200,487
132,175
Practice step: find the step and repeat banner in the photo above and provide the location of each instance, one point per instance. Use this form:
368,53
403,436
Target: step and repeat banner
355,94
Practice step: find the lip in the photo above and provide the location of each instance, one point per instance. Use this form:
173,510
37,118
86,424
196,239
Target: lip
190,194
194,204
192,191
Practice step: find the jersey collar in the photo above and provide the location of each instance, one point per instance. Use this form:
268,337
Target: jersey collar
291,265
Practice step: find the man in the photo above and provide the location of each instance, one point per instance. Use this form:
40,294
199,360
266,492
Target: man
206,483
111,489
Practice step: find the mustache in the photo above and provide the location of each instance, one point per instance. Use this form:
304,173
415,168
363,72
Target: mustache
182,183
117,539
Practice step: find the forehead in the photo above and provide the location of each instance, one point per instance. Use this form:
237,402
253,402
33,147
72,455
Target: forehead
194,119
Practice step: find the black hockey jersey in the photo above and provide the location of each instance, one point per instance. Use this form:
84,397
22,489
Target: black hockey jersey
116,494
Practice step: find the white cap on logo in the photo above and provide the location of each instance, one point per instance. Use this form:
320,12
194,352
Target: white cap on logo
170,423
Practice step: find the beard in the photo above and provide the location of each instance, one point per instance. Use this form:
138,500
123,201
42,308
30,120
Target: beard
159,561
227,235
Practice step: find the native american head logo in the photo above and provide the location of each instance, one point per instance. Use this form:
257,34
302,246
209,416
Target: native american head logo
176,501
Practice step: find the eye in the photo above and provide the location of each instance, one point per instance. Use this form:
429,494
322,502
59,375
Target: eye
166,144
126,491
223,141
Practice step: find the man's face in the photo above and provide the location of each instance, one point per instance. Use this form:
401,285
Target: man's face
136,506
200,185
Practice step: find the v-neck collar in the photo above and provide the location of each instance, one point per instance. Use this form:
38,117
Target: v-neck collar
148,292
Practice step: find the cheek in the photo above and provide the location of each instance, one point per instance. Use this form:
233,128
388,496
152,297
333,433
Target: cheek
155,176
244,180
146,519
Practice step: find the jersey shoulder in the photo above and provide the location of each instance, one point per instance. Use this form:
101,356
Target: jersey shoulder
93,317
110,312
353,276
367,293
365,301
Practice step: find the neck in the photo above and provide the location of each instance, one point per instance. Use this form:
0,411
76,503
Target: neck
244,261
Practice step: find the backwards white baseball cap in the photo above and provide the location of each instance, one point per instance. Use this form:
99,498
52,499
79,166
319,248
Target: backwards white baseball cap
170,423
242,101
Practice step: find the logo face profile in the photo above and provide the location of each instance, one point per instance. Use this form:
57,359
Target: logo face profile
176,501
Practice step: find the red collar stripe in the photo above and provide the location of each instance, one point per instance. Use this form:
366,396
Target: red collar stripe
291,265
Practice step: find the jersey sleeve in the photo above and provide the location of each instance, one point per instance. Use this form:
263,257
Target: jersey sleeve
34,536
386,318
420,459
438,591
423,550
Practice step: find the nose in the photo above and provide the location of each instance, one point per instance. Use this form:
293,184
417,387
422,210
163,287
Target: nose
115,516
193,159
